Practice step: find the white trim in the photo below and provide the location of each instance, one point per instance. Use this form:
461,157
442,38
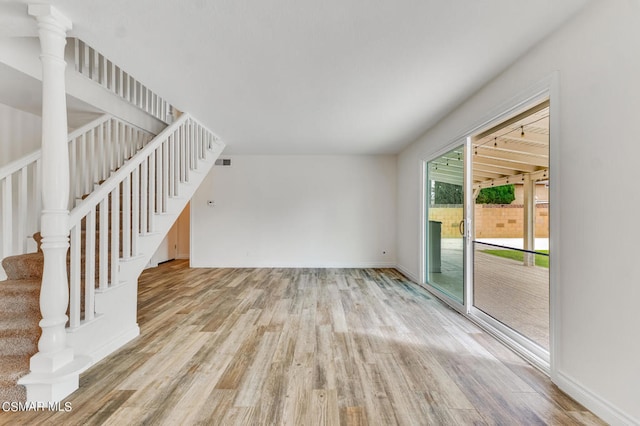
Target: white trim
84,324
530,351
469,221
445,299
422,252
326,265
555,206
191,265
112,287
114,344
424,158
405,271
592,401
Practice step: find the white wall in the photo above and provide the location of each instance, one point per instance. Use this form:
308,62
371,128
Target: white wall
20,134
596,56
296,211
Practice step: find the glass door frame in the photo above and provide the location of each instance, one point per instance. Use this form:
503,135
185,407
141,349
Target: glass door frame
535,354
463,142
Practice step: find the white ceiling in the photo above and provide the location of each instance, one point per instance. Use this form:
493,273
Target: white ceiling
310,77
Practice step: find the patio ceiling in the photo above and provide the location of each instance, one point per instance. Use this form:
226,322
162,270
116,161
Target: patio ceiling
503,154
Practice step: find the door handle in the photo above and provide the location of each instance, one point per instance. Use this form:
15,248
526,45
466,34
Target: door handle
461,227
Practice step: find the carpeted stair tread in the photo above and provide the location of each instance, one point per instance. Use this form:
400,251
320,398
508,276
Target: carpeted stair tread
12,368
23,266
16,352
19,333
19,345
20,306
15,326
15,393
17,263
20,287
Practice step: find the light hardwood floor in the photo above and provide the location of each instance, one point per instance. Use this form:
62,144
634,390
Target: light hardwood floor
306,347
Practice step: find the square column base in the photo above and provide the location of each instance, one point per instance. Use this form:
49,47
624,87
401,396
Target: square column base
47,363
57,385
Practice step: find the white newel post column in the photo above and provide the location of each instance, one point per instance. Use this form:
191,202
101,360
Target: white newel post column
54,369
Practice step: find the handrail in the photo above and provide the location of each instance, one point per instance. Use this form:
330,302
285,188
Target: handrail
99,148
85,206
19,164
84,129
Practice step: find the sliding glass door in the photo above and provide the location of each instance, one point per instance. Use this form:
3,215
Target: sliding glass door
445,242
486,229
511,233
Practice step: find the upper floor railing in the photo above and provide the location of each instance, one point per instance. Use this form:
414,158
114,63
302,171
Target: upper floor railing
93,65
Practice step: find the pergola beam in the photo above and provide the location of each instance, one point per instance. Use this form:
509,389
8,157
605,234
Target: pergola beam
520,178
539,160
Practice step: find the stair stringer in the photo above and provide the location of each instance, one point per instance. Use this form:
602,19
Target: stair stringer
116,308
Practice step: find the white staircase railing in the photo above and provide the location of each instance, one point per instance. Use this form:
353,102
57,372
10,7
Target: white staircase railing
20,203
93,65
107,226
98,149
95,151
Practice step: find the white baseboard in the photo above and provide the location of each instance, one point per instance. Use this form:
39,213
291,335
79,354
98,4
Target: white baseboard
333,265
114,344
593,402
405,271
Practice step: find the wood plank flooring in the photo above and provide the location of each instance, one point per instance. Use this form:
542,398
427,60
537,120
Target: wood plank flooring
306,347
